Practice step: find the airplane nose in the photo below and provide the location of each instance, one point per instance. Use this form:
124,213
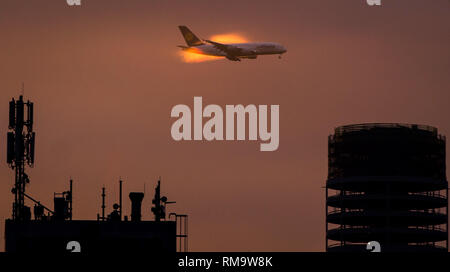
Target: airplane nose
283,50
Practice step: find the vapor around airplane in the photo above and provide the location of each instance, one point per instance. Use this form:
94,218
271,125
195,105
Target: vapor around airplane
231,51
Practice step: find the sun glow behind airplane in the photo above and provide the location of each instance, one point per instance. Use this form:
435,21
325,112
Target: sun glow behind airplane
192,57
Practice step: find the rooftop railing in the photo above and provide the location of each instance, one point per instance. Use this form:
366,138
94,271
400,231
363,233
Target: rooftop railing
358,127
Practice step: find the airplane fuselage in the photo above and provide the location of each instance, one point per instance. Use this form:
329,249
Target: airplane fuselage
245,49
232,51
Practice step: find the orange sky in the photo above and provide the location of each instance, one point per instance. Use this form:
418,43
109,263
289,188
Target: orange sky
104,77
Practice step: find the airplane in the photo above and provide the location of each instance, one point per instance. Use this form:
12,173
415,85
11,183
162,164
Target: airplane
231,51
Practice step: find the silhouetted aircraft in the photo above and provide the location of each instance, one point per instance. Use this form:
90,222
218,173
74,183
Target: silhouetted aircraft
232,51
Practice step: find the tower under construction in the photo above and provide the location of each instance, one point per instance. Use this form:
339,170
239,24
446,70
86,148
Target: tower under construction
386,183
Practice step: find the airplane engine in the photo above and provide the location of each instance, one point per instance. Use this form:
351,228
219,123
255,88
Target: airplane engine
233,58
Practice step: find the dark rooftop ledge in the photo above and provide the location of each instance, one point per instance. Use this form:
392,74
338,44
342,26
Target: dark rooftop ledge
368,126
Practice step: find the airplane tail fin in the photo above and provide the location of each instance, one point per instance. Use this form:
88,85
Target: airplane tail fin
189,37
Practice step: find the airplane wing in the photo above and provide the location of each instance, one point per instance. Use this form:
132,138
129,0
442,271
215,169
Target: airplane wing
231,51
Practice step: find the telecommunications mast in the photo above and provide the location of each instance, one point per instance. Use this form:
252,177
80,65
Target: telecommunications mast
20,151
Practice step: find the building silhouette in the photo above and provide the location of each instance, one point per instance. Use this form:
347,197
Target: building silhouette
53,230
386,183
